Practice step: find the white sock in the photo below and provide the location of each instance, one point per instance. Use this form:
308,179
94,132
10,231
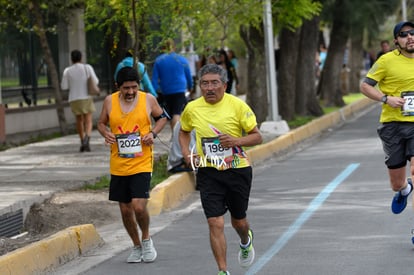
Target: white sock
245,245
406,190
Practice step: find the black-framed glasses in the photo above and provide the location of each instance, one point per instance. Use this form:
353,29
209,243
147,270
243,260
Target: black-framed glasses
406,33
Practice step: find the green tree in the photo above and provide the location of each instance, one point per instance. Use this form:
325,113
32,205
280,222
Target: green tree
206,23
36,16
349,19
294,52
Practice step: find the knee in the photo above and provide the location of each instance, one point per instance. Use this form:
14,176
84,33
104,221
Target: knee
216,223
139,209
126,211
239,224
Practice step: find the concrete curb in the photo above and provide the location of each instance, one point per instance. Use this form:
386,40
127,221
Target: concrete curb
51,252
74,241
170,192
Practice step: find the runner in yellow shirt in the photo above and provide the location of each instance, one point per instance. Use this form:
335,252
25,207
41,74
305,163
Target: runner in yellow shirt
391,81
223,124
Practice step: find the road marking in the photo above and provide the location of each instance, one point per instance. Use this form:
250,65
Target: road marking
293,228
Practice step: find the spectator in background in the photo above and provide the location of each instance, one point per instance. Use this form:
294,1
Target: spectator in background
385,47
322,56
193,61
212,59
75,79
204,57
234,61
176,162
145,82
171,76
224,61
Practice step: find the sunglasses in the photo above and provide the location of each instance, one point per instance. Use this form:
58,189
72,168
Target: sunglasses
406,33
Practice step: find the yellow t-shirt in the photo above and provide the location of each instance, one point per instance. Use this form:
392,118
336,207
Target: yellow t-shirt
230,116
395,74
135,157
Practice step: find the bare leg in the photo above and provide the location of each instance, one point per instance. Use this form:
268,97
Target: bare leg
242,229
80,126
218,241
127,213
142,216
397,178
88,124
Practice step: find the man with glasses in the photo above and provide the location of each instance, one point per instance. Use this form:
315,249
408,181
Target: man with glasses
224,125
391,81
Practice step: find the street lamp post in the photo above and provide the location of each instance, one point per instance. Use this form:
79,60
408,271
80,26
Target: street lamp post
275,125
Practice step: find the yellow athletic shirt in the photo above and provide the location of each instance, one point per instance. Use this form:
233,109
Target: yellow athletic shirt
230,116
394,73
135,121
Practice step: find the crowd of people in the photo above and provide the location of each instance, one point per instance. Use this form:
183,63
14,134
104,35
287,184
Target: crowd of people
209,132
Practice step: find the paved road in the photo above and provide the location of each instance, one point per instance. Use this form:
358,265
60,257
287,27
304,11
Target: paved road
324,209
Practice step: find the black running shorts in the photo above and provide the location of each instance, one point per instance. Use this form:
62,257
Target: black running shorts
125,188
222,190
397,142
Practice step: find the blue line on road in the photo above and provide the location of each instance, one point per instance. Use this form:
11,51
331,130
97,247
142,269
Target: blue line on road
313,206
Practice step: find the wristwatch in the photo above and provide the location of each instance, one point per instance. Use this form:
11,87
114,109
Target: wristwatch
384,99
154,134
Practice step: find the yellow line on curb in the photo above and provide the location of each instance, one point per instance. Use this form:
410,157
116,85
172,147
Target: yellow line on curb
51,252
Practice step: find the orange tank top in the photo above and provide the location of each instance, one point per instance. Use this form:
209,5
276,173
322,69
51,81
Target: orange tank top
123,125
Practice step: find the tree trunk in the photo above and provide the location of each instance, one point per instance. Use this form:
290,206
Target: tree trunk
256,95
54,77
356,61
286,76
306,100
330,82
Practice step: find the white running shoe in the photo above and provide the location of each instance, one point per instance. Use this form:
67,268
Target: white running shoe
149,254
136,255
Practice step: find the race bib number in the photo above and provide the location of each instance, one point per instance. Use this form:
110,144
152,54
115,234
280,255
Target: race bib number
129,145
408,108
213,149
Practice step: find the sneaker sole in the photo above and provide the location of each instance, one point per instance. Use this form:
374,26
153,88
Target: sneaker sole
134,262
151,260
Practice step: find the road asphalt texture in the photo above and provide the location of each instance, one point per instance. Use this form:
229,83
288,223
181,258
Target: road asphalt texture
34,172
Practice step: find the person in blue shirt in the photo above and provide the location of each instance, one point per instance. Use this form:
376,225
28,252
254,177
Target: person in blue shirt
145,82
171,76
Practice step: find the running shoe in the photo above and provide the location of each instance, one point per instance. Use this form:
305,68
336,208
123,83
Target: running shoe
223,272
246,255
136,255
399,202
149,254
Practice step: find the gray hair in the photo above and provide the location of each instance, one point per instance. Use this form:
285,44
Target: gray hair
213,69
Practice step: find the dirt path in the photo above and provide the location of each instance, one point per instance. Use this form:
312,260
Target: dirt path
63,210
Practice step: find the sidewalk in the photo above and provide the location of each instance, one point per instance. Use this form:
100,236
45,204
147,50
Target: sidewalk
32,173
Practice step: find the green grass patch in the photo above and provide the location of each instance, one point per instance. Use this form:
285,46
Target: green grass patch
302,120
102,183
159,174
